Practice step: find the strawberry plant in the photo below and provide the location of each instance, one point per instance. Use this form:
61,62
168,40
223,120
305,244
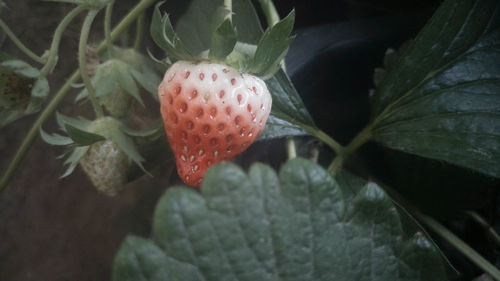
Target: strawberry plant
205,90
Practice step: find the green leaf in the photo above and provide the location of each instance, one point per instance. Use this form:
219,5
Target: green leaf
295,226
246,22
82,137
195,32
286,100
127,83
9,115
55,139
155,129
148,79
80,122
140,259
164,36
277,127
442,100
22,68
223,40
421,259
273,47
127,145
76,154
40,88
156,28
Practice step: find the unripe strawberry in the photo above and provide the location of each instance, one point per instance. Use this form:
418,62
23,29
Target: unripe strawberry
117,102
106,164
211,113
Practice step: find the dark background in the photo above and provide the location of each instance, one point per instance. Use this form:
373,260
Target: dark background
62,229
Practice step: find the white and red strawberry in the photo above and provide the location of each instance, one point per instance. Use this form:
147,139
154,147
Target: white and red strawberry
211,113
215,104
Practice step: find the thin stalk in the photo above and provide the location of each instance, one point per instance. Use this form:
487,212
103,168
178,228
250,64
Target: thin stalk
485,225
139,32
61,94
362,137
270,12
107,27
228,4
447,235
54,46
290,147
19,44
315,132
460,245
82,61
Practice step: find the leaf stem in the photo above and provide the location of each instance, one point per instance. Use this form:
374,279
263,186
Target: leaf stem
460,245
107,27
447,235
19,44
139,32
54,46
270,12
484,224
82,61
63,91
361,138
290,146
315,132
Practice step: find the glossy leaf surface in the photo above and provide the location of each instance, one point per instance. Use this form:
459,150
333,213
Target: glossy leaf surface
442,99
262,226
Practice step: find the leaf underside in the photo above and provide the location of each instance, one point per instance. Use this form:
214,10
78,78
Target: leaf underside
297,225
442,99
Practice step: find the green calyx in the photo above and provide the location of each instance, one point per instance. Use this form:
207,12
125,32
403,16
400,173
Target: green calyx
119,80
82,133
225,46
22,90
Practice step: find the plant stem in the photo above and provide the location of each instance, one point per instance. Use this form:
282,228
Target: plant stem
82,61
270,12
484,224
460,245
63,91
139,32
228,4
107,27
360,139
442,231
315,132
290,145
54,46
19,44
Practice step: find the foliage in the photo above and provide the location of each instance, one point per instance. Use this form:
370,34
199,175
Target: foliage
262,226
440,100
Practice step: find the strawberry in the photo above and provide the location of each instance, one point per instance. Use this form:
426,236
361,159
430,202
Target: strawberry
214,102
211,113
106,164
103,148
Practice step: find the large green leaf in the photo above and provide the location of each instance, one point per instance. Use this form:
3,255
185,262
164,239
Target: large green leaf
194,26
261,226
442,99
